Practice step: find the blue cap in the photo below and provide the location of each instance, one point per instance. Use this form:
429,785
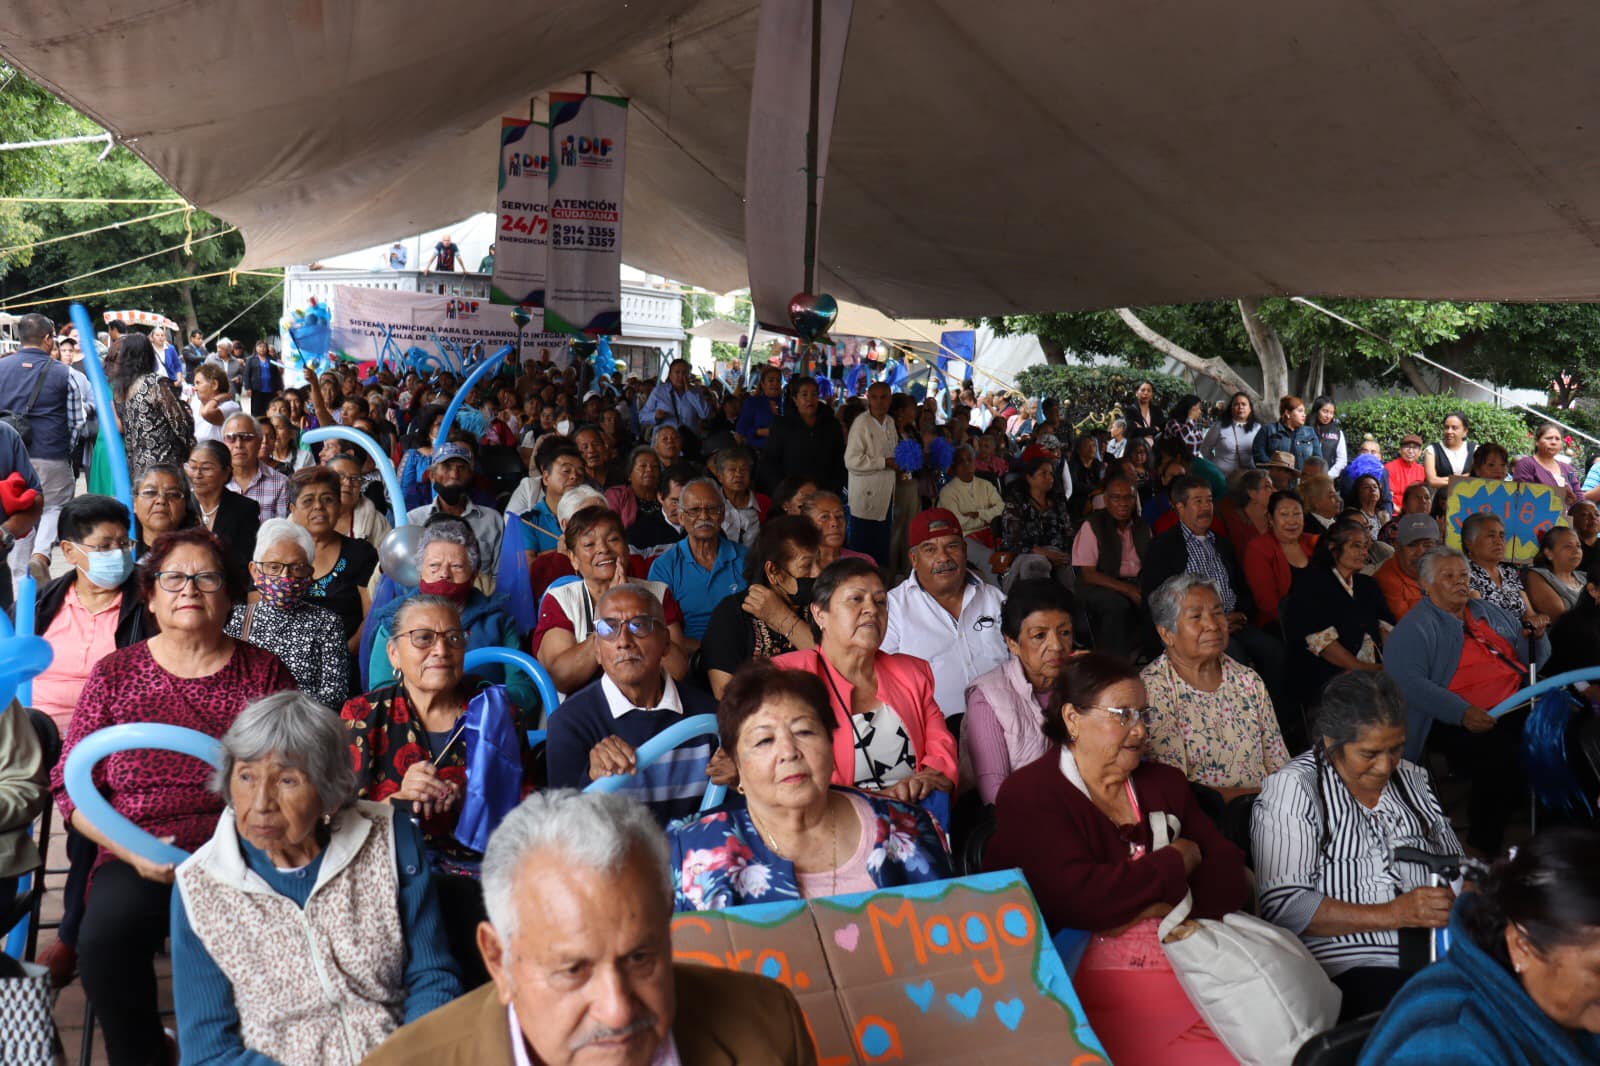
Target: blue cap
448,452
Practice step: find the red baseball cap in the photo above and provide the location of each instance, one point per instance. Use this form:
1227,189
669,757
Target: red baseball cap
934,522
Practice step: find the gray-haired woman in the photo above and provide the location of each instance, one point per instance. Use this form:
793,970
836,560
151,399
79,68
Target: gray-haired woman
308,638
1324,834
447,565
306,930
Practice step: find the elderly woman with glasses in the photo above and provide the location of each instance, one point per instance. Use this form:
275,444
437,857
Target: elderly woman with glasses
447,564
407,747
307,637
160,504
359,517
1078,822
341,566
191,673
232,516
799,835
330,892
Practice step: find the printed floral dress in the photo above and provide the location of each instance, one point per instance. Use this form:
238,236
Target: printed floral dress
721,861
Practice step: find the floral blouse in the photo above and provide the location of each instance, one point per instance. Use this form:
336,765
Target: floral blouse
719,860
1025,526
1225,739
1508,596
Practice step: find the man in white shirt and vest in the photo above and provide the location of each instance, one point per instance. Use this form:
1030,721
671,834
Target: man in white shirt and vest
943,614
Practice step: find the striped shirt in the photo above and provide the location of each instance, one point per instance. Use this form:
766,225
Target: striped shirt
1357,864
1204,560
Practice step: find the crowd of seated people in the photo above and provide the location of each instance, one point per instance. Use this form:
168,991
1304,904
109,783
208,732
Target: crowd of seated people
1050,641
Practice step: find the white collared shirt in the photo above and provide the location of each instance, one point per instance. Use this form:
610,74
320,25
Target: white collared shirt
619,705
666,1054
918,626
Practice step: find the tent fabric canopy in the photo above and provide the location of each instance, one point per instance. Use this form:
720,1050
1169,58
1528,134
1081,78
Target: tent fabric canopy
986,158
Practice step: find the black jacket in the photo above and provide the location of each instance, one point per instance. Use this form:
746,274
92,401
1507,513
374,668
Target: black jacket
1169,555
815,452
238,519
133,621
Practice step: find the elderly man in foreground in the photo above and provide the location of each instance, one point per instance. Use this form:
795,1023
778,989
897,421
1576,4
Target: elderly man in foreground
579,944
1455,658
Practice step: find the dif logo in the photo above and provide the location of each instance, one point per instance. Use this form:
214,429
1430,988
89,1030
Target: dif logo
460,308
519,162
589,149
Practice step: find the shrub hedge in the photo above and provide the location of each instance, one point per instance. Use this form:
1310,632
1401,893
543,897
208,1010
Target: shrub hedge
1389,418
1087,394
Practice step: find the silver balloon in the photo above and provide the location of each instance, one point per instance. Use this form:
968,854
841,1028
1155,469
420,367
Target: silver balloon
398,555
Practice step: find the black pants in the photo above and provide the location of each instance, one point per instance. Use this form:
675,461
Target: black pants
1492,764
1118,625
81,853
461,909
1264,653
124,925
1368,989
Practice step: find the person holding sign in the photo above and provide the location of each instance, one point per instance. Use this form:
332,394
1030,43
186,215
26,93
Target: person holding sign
1544,466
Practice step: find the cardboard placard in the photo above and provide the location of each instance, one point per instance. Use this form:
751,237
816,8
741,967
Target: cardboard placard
956,971
1527,509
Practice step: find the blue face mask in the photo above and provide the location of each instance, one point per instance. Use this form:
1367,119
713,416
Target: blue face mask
108,569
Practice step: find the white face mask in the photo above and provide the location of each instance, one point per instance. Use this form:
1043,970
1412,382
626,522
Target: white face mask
564,427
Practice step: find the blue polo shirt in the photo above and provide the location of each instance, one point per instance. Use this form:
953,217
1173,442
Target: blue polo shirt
543,527
698,590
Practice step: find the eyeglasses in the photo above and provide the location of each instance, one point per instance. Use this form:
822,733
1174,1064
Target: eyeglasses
423,639
701,512
640,625
202,469
175,580
121,545
1126,716
280,569
160,494
349,479
240,438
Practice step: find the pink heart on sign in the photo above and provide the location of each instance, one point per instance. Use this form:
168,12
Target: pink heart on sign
848,937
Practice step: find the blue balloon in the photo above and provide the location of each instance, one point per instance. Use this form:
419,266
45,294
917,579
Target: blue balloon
520,660
22,658
86,755
484,368
391,480
110,435
653,749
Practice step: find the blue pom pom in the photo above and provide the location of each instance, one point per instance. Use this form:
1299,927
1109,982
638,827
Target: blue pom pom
1365,465
471,419
941,453
908,456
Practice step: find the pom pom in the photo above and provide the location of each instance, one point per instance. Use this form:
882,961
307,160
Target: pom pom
1365,465
941,453
908,456
471,419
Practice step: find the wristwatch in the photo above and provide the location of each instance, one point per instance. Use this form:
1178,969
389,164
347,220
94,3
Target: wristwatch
7,541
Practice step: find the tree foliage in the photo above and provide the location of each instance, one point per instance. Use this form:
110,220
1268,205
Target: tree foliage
76,172
700,306
1089,393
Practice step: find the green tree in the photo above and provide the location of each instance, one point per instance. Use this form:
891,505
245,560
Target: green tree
700,306
28,113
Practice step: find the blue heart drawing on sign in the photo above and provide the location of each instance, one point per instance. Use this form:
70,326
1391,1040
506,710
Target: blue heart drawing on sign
1009,1013
967,1005
921,995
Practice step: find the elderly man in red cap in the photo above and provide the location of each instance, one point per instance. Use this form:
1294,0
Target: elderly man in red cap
944,614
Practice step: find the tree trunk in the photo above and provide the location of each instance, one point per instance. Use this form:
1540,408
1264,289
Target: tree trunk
1311,380
186,293
1269,350
1054,354
1413,374
1215,369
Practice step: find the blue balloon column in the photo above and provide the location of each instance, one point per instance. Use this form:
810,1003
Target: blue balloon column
110,435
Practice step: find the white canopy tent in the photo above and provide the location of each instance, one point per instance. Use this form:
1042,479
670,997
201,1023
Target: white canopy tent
986,158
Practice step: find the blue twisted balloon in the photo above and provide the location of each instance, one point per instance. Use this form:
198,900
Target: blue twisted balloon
136,736
521,660
110,435
653,749
391,480
483,369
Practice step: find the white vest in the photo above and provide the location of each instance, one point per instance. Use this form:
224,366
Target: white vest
320,986
1010,693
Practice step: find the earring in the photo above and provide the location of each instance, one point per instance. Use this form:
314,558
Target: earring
327,819
739,789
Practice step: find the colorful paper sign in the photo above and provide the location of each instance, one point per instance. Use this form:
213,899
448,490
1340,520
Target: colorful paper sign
365,321
1527,510
522,226
943,973
583,285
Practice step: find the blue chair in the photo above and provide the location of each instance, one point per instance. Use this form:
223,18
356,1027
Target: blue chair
653,749
521,660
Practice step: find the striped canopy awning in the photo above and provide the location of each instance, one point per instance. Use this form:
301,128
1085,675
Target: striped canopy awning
144,318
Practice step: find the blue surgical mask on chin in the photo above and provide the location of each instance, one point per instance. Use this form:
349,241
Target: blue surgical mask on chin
108,569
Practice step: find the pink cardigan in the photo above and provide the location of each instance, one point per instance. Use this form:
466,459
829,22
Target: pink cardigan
904,684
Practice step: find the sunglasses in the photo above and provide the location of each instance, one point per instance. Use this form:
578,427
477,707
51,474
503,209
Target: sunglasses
640,625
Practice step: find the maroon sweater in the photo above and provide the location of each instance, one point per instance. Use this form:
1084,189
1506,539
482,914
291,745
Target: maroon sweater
1076,859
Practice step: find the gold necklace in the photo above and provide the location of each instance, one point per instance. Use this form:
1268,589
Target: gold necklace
771,841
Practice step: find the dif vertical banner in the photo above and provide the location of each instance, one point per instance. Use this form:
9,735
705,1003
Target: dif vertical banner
522,228
583,286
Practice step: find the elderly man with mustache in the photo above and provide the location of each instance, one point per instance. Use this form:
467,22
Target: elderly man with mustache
601,726
943,614
579,943
705,566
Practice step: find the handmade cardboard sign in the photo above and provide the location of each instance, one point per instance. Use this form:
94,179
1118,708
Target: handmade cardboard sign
956,971
1526,509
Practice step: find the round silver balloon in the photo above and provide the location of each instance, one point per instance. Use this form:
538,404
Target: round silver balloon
397,553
